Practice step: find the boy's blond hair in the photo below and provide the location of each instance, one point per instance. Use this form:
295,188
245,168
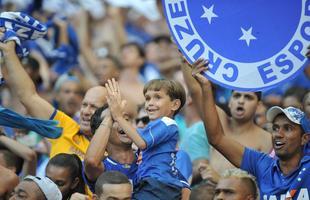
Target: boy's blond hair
173,88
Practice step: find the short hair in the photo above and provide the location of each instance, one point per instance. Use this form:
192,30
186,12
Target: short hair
110,177
138,47
204,190
173,88
96,119
75,166
244,176
12,160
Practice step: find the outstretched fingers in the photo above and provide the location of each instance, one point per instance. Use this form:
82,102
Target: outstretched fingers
199,66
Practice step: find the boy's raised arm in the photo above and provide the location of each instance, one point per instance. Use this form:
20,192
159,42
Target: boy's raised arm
231,149
115,105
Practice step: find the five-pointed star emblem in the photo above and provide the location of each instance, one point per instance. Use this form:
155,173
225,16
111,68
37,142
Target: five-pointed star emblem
247,36
208,13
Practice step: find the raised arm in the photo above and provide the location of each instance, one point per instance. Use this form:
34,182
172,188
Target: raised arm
195,89
231,149
114,101
95,153
28,155
21,83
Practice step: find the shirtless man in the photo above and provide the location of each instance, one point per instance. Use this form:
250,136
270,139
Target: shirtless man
240,125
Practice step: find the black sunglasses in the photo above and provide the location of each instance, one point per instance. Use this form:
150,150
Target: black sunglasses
145,120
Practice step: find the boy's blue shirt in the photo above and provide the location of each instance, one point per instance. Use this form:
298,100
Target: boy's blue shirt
272,183
159,157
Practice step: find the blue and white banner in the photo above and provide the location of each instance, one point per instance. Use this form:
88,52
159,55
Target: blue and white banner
251,45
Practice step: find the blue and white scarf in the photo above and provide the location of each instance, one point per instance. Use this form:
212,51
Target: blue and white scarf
46,128
20,27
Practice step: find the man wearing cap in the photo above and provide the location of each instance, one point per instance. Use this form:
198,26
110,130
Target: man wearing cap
284,177
38,188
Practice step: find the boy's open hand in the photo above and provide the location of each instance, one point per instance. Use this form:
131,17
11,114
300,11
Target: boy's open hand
114,99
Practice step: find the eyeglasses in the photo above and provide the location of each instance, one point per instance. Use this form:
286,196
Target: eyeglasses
145,120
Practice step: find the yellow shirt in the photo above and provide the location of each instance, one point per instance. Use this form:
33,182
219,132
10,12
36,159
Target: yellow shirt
70,141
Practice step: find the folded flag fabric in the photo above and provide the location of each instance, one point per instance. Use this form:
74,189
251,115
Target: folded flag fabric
20,27
46,128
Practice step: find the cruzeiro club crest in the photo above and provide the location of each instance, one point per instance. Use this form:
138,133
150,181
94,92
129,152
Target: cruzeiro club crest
251,45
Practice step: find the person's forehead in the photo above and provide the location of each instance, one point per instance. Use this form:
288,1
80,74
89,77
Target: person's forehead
282,120
97,95
117,190
28,187
243,93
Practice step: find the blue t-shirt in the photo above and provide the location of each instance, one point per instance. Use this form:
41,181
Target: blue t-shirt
159,157
272,183
111,165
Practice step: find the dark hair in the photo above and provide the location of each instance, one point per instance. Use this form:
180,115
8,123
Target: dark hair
138,47
174,89
110,177
74,164
12,160
96,118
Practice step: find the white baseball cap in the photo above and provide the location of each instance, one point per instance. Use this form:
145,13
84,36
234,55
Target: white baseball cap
47,186
293,114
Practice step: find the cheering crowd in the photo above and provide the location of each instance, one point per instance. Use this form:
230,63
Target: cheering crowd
104,106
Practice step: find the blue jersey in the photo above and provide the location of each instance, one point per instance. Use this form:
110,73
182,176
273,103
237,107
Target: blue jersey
272,183
159,157
184,165
111,165
128,169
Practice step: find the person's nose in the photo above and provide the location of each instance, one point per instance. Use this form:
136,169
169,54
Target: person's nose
241,100
219,196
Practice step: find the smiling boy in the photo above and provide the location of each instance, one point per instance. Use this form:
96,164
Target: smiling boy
157,175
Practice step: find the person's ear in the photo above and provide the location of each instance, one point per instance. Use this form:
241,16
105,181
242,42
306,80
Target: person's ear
305,138
75,183
176,104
